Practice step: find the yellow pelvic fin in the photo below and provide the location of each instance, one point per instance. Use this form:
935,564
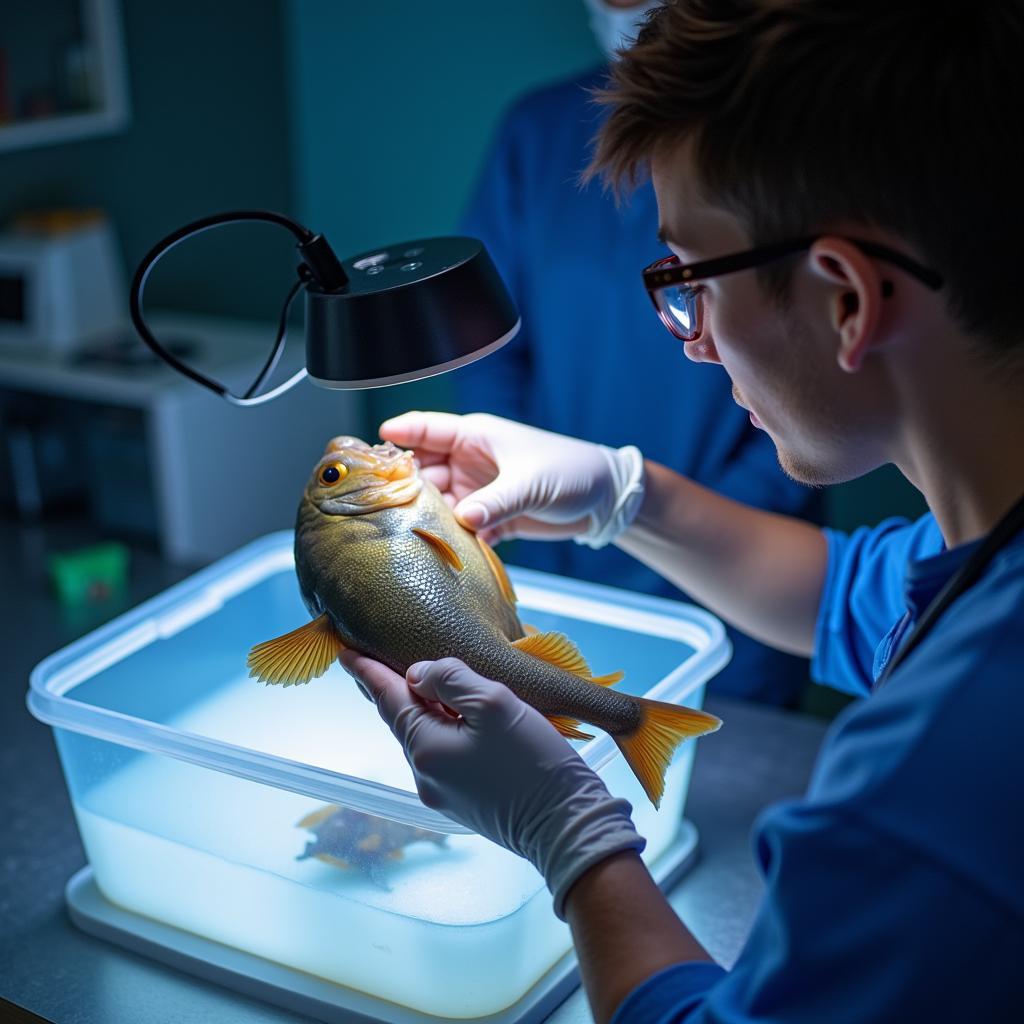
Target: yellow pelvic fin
648,750
303,654
441,546
317,817
498,569
530,630
609,680
567,727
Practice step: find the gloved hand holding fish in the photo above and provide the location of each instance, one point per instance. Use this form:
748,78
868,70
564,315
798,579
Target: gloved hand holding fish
501,769
387,570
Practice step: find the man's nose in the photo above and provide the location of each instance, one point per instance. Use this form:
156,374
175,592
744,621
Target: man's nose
702,350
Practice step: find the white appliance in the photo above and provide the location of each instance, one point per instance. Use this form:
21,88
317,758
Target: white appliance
60,287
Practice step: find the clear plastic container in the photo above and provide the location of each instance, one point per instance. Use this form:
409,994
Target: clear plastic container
188,781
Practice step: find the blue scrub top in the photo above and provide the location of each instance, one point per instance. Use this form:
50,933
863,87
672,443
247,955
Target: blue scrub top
593,361
895,887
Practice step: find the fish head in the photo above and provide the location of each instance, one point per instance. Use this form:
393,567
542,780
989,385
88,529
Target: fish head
353,477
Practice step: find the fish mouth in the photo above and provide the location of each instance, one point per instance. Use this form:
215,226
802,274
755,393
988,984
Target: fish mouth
382,493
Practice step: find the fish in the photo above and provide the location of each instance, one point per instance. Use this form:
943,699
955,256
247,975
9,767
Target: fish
345,838
386,569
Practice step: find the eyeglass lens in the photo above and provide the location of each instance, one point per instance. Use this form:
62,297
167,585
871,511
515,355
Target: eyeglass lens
679,307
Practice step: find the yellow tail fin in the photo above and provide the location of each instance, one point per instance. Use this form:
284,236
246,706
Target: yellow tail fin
648,750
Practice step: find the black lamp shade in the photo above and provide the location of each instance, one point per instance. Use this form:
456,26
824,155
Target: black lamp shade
408,311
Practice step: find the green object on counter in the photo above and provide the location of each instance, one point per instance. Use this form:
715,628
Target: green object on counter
89,575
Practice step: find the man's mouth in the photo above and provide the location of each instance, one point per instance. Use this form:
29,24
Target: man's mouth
739,401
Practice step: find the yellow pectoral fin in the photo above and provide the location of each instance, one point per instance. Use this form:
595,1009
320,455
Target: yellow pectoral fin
441,546
567,727
318,816
498,569
303,654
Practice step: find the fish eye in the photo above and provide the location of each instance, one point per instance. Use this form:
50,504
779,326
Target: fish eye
332,473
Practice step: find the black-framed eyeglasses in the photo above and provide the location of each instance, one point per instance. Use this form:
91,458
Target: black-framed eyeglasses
675,289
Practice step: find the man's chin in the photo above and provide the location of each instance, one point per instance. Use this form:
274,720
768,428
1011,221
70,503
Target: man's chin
803,472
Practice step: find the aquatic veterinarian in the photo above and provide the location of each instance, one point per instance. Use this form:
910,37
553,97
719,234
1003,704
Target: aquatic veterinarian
838,191
386,569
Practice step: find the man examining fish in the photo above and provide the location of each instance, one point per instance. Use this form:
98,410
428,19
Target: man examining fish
839,195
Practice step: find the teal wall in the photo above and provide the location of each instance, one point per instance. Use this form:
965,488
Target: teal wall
872,498
393,107
208,132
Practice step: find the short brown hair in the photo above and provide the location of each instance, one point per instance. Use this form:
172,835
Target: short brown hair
907,116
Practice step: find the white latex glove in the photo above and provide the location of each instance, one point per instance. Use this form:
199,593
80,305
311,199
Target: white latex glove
506,479
500,769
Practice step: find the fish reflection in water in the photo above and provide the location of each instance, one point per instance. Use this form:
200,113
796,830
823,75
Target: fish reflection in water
352,839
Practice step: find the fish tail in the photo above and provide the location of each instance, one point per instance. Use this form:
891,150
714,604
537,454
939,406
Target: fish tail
649,747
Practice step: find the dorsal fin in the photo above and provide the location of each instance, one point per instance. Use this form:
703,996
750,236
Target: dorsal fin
296,657
498,569
609,680
557,649
441,546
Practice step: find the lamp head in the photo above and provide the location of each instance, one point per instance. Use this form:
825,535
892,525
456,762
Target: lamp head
395,314
406,311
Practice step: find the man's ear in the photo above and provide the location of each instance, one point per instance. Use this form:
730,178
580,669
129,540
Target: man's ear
855,300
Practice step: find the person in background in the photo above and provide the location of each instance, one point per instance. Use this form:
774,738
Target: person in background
839,186
590,361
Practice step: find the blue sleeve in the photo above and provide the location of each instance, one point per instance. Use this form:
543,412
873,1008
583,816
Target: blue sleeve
854,927
496,215
863,597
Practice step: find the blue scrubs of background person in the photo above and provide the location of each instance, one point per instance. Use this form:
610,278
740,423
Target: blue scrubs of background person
592,361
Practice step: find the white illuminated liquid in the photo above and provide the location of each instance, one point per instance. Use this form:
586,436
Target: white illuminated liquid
463,930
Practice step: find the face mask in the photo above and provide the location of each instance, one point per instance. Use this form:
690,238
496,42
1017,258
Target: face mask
616,27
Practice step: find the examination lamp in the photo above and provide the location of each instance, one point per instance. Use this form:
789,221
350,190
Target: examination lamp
391,315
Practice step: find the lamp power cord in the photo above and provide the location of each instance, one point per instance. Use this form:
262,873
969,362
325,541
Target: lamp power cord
319,267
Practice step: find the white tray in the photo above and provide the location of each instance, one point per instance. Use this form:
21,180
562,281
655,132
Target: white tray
303,993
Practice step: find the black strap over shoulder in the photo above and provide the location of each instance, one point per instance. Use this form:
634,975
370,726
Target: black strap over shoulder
959,583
